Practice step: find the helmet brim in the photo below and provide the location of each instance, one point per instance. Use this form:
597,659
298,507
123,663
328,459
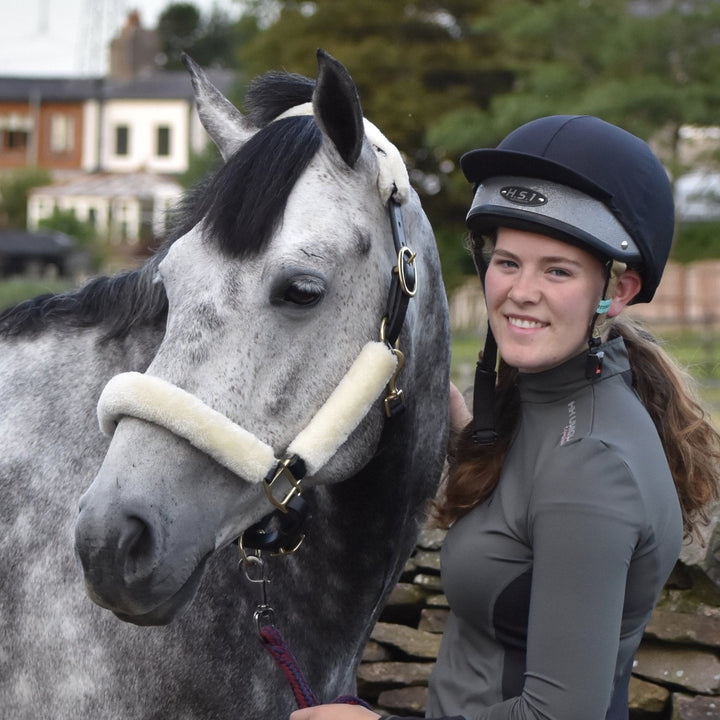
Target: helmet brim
552,209
478,165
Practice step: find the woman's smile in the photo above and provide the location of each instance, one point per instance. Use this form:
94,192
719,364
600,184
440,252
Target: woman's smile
525,323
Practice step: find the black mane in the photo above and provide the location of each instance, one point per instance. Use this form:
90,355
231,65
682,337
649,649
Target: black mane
116,304
239,207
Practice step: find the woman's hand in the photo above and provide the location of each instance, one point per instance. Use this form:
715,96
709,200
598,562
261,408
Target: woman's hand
335,711
460,416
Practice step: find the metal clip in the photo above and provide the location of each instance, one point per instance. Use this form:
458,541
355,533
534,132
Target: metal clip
283,471
394,402
264,615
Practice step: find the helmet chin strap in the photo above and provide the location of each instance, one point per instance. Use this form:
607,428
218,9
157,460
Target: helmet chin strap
595,356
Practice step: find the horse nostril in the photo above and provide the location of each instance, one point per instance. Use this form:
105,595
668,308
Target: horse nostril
136,550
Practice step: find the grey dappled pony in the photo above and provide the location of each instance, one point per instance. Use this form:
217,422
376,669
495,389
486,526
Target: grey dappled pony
277,281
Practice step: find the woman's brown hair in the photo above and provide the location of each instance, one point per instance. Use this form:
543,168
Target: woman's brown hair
691,443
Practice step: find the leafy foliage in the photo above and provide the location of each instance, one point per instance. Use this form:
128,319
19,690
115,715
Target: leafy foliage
14,189
65,221
209,40
696,241
443,76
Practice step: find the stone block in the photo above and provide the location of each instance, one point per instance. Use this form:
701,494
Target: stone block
390,674
695,670
685,628
705,555
431,538
647,697
437,601
700,707
427,561
407,594
433,619
375,652
429,582
405,701
414,643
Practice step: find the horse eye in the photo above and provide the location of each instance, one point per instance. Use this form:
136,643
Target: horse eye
305,291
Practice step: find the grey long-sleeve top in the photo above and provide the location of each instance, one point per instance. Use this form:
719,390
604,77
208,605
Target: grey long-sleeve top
552,579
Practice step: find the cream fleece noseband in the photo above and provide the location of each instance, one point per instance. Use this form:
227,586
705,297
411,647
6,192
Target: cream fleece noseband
153,399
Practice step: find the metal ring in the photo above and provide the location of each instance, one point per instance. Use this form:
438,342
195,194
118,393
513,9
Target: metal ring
405,255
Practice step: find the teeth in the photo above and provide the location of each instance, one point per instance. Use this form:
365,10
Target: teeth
518,322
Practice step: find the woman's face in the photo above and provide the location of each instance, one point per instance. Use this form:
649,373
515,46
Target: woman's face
541,296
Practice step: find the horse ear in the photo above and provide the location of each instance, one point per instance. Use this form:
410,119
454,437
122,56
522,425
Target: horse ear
337,108
225,124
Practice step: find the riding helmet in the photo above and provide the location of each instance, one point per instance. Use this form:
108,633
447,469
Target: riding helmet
582,180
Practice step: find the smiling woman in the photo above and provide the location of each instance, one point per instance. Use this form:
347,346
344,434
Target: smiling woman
570,486
572,504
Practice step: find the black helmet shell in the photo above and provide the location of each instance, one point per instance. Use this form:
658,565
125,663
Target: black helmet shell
602,161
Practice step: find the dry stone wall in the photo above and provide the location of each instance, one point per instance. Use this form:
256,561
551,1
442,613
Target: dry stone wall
676,675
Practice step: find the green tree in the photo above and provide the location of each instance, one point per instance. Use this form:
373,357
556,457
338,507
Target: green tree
441,77
65,221
210,40
15,187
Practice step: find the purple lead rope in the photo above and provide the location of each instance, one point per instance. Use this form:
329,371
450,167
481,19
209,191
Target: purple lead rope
285,660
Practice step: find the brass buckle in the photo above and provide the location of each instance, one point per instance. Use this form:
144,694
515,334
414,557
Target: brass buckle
406,256
394,401
394,397
282,471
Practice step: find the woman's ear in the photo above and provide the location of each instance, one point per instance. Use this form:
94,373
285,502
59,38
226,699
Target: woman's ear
626,288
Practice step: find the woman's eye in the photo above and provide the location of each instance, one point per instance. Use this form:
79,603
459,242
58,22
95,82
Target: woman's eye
305,292
504,264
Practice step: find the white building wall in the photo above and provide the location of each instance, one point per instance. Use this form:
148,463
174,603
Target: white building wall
91,128
143,118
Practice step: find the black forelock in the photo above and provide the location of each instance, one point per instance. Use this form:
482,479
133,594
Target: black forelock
245,200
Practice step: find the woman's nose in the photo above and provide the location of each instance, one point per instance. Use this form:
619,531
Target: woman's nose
524,288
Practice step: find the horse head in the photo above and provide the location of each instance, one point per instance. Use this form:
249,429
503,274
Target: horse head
278,360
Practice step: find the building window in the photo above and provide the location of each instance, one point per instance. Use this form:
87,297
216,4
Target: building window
163,141
62,133
16,139
122,140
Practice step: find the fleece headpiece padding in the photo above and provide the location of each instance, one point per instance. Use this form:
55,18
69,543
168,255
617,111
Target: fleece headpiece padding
157,401
393,175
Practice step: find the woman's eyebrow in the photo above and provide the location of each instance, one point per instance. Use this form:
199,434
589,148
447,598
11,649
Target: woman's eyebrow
548,259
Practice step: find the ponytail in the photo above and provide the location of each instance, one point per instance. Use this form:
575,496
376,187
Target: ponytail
691,444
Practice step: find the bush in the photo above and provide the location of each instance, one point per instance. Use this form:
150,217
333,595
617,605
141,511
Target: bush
14,188
65,221
696,241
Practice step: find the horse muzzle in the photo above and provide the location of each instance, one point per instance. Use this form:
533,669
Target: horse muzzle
132,563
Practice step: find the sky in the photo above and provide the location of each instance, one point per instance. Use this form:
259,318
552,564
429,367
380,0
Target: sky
70,38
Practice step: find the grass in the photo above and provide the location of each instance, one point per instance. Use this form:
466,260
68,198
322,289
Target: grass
14,290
